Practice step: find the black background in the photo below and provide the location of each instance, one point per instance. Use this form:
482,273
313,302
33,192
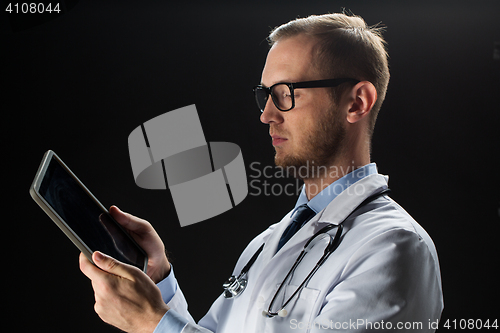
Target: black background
80,83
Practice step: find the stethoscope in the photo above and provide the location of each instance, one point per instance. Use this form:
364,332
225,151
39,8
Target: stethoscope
235,286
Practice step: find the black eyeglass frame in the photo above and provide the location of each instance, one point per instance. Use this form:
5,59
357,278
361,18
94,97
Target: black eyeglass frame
328,83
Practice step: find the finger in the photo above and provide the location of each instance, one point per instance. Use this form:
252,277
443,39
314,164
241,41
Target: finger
88,269
113,266
130,222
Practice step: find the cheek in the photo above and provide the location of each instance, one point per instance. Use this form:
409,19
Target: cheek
308,120
305,134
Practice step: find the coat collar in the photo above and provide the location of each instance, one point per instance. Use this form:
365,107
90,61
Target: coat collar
340,208
334,213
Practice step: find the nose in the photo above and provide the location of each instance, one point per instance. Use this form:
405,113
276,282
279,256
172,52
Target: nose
271,114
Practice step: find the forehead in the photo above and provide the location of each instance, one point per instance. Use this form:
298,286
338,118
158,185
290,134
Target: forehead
289,60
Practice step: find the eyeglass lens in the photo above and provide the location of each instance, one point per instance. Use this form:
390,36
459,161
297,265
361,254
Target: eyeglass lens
280,93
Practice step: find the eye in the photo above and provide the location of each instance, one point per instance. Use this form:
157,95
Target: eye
283,91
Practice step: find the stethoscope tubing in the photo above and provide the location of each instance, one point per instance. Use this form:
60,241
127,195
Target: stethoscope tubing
329,250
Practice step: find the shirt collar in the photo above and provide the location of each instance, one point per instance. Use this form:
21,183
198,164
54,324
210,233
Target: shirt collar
322,199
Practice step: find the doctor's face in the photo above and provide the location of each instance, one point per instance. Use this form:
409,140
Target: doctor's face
312,133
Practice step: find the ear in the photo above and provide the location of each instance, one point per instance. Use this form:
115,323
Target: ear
363,97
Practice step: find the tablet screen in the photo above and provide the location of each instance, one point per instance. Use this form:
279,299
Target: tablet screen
85,217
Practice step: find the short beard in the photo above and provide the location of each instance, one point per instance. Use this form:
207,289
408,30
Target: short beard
324,145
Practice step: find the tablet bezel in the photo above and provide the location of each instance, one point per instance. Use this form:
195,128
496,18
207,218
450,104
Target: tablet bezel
58,220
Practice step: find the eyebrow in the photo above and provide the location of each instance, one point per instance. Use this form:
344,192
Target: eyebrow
282,81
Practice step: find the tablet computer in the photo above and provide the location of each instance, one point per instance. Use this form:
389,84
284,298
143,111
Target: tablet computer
78,213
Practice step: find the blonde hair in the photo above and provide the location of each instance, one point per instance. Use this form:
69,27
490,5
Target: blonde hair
346,47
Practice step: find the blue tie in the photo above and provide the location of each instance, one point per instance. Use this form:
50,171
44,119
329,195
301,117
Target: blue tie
303,214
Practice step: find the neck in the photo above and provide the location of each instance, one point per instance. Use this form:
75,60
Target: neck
338,168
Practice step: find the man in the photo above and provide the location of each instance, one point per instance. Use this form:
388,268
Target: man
323,83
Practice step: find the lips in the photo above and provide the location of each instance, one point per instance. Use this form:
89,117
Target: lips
278,140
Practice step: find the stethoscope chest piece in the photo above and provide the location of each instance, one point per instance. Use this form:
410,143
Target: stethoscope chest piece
234,286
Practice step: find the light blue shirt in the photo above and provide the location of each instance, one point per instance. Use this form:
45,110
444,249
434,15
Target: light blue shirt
174,323
320,201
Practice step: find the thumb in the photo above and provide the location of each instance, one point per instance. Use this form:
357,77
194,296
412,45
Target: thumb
113,266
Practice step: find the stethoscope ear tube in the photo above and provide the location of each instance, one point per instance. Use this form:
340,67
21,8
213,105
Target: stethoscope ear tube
323,230
336,240
333,244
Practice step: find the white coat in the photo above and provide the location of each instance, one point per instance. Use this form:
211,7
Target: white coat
383,276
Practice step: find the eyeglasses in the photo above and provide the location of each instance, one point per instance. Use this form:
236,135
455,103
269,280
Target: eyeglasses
282,93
